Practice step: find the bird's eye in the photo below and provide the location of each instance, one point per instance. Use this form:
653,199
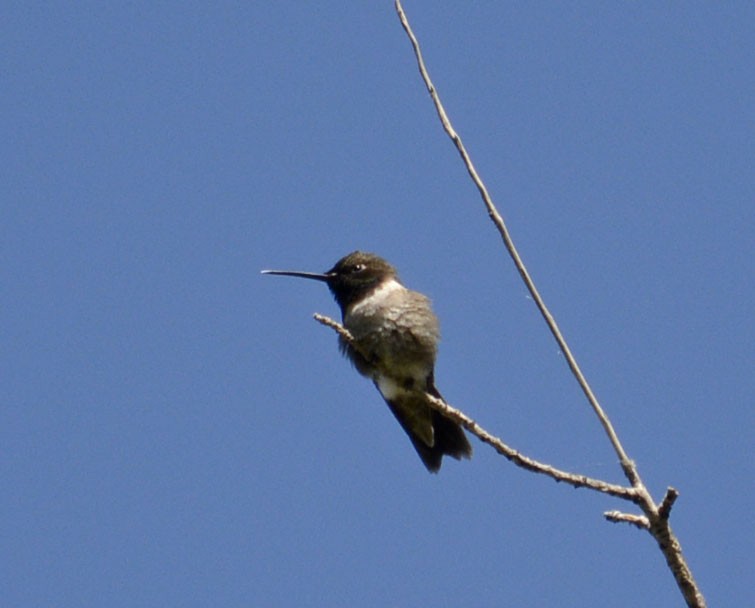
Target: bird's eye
358,267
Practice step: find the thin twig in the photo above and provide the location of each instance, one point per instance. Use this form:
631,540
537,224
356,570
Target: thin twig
656,517
664,511
630,518
530,464
495,216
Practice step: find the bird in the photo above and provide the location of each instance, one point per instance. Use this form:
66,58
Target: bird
396,335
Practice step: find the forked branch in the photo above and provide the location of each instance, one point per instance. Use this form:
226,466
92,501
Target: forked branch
655,518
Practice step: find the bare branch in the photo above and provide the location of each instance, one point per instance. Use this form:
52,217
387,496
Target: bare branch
340,329
636,520
573,479
672,551
656,517
626,464
668,501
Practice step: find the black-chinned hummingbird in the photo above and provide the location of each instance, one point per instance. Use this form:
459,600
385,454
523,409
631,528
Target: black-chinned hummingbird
397,336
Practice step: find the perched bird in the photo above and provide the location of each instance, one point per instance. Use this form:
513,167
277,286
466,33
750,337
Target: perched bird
397,336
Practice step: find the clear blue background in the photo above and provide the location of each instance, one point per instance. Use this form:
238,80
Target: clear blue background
175,430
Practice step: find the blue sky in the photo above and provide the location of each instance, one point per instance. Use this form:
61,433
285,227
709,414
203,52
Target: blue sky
177,431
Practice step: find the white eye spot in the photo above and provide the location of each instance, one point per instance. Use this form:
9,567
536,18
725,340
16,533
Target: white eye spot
359,267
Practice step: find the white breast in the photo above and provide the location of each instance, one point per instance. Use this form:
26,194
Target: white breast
377,298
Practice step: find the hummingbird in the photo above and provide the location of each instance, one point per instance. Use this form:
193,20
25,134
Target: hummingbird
397,334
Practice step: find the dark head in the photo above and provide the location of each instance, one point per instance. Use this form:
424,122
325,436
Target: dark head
350,278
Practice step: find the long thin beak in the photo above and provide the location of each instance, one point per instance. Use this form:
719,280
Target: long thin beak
317,276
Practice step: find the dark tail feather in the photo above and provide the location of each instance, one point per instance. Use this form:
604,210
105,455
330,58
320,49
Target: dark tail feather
449,437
